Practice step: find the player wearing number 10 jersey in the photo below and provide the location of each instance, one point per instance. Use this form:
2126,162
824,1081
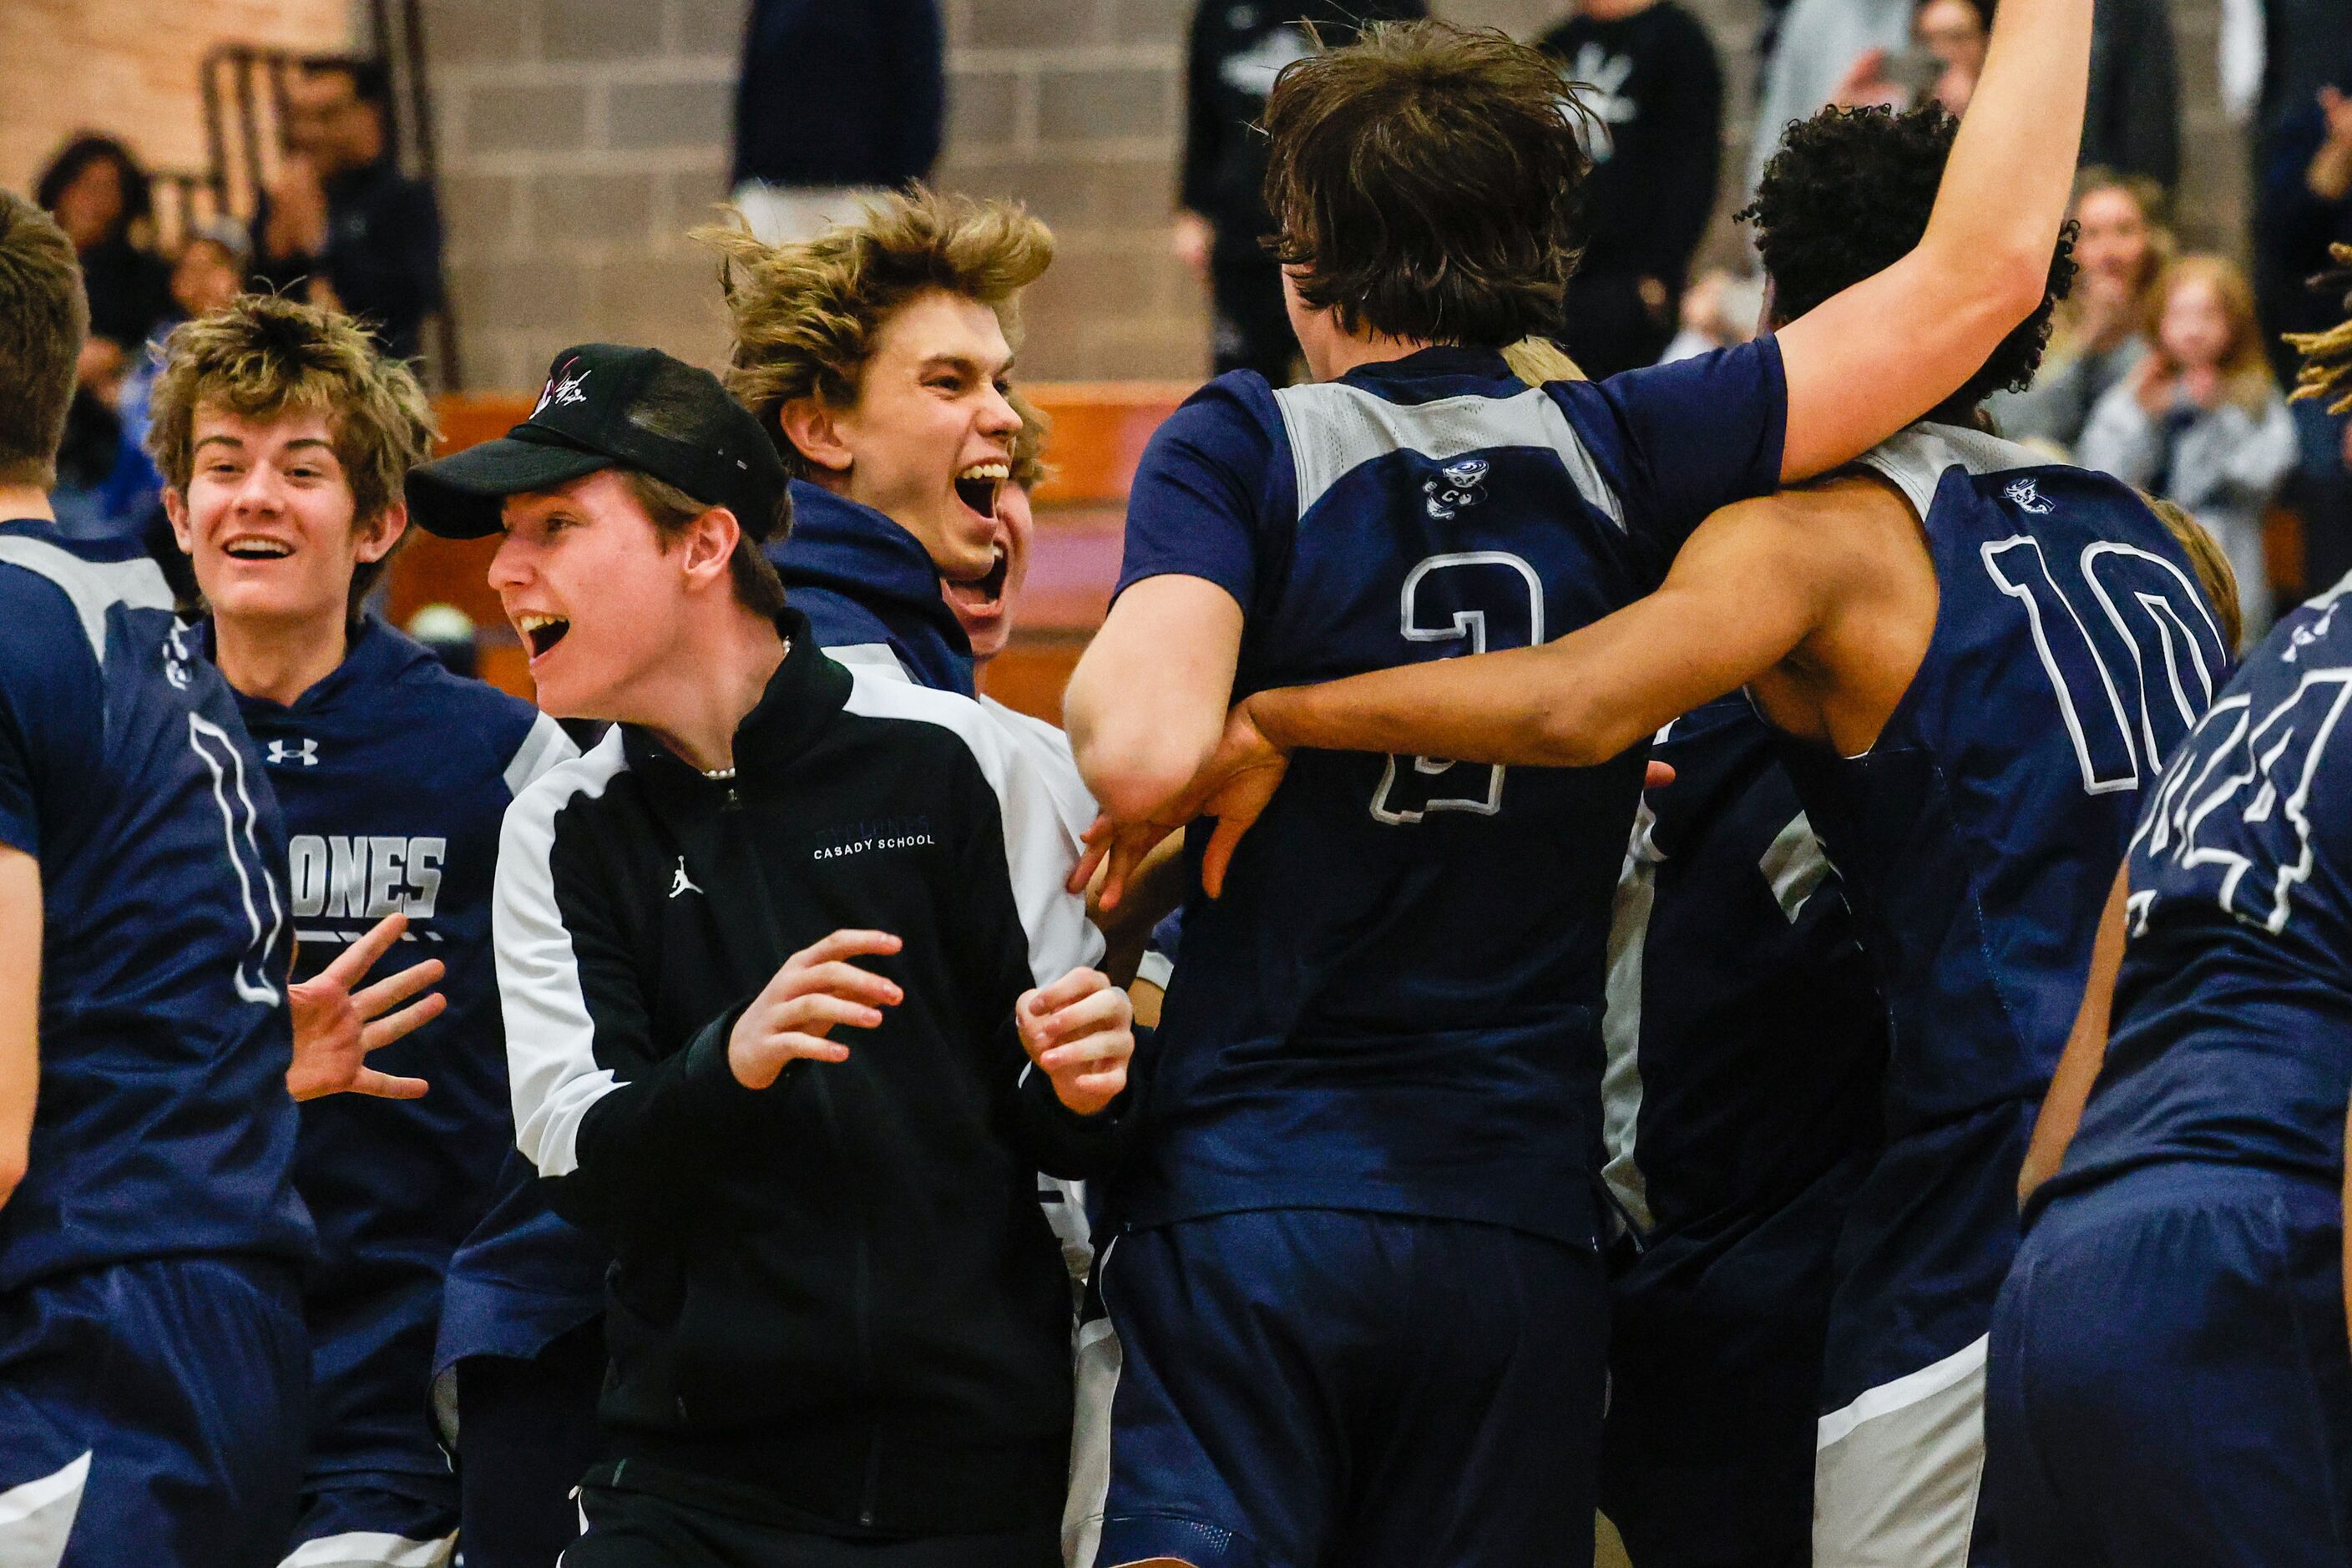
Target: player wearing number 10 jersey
1358,1293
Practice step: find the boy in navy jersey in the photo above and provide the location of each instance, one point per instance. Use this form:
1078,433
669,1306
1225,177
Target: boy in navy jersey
1976,660
1746,1044
284,436
1375,1113
2170,1380
153,1368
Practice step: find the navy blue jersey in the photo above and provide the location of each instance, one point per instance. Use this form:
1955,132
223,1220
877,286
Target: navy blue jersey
394,775
1745,1037
1396,1005
162,1124
2231,1034
2073,651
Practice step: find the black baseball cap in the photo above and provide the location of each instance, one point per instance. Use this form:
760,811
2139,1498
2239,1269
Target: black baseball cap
607,407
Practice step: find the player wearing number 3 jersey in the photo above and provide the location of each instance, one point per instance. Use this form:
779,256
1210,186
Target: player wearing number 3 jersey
1358,1293
1977,660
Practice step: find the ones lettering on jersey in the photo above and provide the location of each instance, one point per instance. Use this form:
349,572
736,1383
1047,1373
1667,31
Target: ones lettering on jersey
365,877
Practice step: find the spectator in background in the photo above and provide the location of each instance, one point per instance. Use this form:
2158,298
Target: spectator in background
2099,334
2132,122
1720,309
1238,48
98,194
342,227
835,101
1819,46
210,271
1652,90
2304,206
2199,420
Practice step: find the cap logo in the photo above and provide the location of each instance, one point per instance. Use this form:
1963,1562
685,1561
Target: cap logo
562,389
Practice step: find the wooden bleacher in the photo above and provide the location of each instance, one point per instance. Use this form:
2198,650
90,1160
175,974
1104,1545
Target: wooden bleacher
1099,432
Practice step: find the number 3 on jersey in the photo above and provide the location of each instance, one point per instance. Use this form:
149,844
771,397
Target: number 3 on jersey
1480,601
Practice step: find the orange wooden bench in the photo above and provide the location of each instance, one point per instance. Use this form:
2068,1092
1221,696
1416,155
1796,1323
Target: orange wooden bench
1099,430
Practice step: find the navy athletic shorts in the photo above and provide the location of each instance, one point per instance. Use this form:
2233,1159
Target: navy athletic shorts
2169,1385
1303,1386
372,1521
1715,1384
526,1437
152,1416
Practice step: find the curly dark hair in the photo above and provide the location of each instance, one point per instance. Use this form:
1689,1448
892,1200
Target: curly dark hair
1425,180
138,198
1848,195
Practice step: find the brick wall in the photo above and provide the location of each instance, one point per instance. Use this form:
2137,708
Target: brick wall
129,67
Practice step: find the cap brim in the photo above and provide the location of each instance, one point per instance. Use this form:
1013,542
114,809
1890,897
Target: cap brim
461,496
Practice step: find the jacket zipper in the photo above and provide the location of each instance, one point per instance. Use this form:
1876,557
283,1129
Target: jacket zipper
862,1276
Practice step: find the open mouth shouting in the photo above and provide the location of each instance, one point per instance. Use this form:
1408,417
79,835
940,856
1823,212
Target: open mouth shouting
984,595
976,487
256,547
541,632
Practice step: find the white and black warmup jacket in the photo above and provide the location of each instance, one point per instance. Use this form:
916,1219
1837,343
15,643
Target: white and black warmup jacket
835,1300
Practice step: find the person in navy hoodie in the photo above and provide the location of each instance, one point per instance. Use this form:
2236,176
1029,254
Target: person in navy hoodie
285,435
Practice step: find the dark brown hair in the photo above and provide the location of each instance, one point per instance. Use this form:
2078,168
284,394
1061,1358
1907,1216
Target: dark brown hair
670,509
1425,180
44,317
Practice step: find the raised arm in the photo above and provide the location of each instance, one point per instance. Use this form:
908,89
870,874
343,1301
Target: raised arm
2087,1049
1885,351
20,1011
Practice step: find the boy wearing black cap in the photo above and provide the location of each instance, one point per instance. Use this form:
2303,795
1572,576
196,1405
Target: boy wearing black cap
839,1325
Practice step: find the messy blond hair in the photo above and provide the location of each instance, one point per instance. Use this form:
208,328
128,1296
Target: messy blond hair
261,357
1030,469
2214,573
807,314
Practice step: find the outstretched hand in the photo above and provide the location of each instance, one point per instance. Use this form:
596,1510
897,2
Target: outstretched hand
1080,1032
336,1027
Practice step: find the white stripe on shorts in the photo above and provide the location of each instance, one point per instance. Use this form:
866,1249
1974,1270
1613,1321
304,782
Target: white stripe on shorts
36,1517
1896,1474
372,1548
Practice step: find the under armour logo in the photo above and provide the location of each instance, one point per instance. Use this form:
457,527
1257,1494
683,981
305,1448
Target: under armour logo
2027,497
560,389
306,753
680,882
1454,486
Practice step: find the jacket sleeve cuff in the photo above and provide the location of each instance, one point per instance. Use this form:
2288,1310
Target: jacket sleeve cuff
708,1078
1065,1142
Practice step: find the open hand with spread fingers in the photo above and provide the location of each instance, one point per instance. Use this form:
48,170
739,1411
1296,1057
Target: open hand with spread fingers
816,991
336,1027
1080,1032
